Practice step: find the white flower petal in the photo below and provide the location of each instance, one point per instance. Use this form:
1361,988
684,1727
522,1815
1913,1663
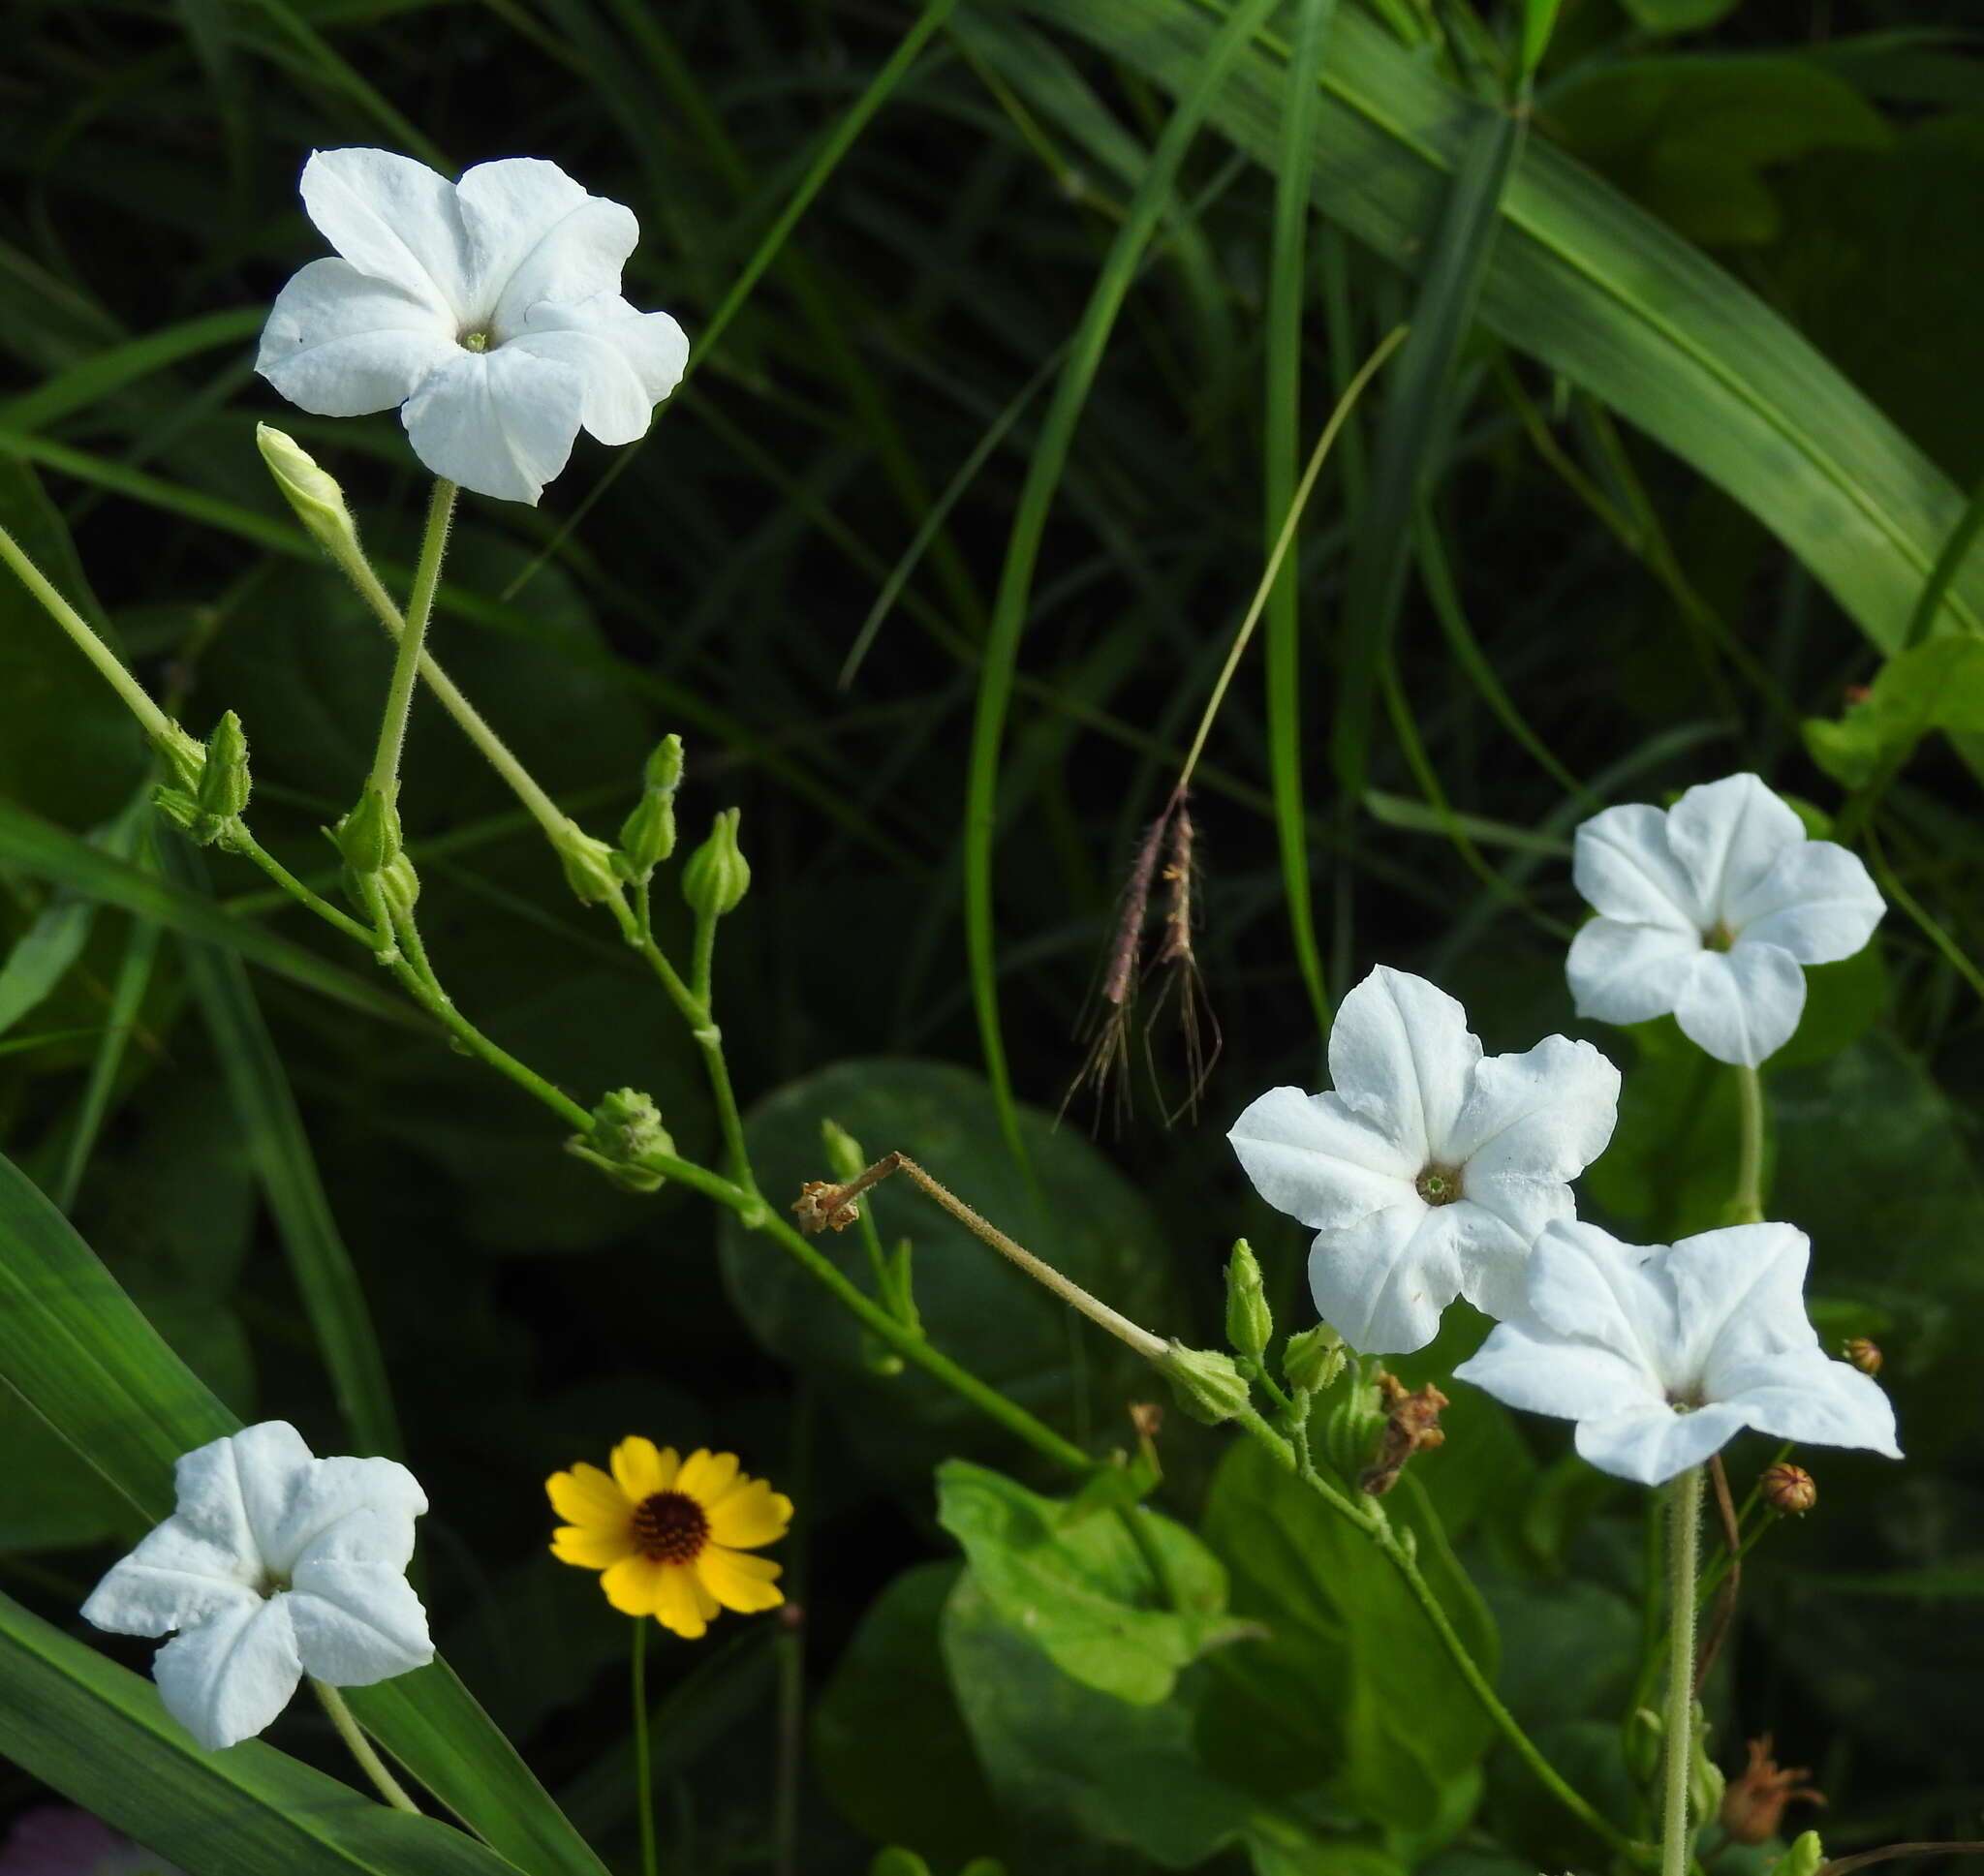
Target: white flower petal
394,218
350,1509
1817,902
1524,1366
1803,1395
536,235
1545,1114
1587,1287
1654,1444
358,1624
1310,1156
172,1580
1630,973
1728,834
1739,1298
1624,869
342,344
236,1490
1382,1282
227,1679
630,360
1742,1004
500,422
1400,1053
1496,1277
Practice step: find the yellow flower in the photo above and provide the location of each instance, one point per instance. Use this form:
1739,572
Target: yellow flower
670,1534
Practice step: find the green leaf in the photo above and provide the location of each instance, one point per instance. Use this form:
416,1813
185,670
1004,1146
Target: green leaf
84,1357
1691,137
1937,686
889,1746
1598,290
1083,1590
1671,1168
1679,16
1353,1689
42,955
1092,1225
97,1733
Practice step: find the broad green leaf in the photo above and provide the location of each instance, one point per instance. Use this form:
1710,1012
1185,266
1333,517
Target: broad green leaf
889,1747
1599,290
1081,1587
1937,686
80,1353
51,852
1093,1225
42,955
73,1719
1353,1688
1692,138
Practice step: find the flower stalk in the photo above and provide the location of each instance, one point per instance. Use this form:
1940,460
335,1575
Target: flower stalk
1748,1205
1684,1563
643,1767
362,1749
406,664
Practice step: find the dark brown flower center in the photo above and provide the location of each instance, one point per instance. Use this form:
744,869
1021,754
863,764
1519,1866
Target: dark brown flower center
1440,1184
671,1528
1718,936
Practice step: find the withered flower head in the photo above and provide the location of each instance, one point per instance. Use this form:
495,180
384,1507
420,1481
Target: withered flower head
1790,1489
1411,1424
1864,1354
1754,1804
820,1206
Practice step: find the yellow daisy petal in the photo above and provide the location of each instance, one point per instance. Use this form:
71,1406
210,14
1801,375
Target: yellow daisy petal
706,1476
642,1470
739,1582
753,1515
676,1604
590,1549
586,1495
706,1605
634,1584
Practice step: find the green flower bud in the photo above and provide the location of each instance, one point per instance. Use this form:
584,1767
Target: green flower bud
185,755
1311,1360
176,805
845,1158
400,884
625,1135
1705,1781
589,869
223,791
313,492
1803,1858
718,875
1249,1321
1352,1433
1209,1386
647,836
370,836
663,775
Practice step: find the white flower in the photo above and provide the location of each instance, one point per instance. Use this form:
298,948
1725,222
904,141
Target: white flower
1429,1172
273,1565
488,308
1660,1355
1708,911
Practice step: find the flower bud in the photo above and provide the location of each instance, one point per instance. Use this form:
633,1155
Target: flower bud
588,863
844,1156
176,805
625,1135
313,492
1249,1321
1864,1354
1789,1490
662,773
370,836
647,836
1805,1857
1706,1784
718,875
898,1861
400,884
223,791
1311,1360
1209,1387
1354,1428
185,755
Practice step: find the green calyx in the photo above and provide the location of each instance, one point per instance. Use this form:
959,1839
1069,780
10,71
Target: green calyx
624,1140
1311,1360
718,875
1208,1383
1249,1320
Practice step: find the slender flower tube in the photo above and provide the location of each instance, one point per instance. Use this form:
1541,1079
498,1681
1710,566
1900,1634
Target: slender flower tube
1660,1355
1709,911
1428,1170
488,309
273,1565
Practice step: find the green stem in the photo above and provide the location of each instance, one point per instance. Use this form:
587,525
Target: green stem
413,639
1684,1562
1749,1202
792,1752
238,840
374,1766
643,1767
156,723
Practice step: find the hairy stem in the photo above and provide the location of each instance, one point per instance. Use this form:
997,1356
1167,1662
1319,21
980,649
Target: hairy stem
1684,1563
406,664
1749,1202
361,1748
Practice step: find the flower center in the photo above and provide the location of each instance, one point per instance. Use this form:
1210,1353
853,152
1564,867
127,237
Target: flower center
1440,1184
475,342
1718,936
671,1528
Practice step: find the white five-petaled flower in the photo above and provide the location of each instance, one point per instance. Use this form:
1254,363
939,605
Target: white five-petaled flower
273,1565
1709,911
488,308
1660,1355
1429,1170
